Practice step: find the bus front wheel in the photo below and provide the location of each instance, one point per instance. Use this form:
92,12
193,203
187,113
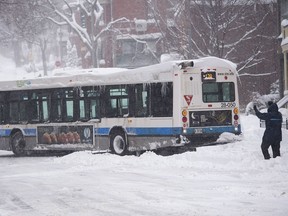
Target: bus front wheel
18,144
118,144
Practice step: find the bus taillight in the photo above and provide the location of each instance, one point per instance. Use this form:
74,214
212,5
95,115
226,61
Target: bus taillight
236,111
184,113
184,118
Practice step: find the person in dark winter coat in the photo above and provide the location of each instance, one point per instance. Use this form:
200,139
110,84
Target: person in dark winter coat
273,134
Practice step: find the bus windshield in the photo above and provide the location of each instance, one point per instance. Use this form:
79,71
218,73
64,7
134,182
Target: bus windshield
218,92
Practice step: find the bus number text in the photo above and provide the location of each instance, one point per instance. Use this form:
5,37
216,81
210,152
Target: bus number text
228,104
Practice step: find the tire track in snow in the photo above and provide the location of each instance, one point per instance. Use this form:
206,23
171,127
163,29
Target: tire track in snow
11,203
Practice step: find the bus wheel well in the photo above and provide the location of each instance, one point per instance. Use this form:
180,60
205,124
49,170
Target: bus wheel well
118,141
117,130
15,130
17,142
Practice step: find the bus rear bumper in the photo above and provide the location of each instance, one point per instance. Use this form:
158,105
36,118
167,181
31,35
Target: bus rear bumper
205,135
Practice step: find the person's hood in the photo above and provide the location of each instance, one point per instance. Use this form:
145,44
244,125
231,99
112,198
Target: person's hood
273,108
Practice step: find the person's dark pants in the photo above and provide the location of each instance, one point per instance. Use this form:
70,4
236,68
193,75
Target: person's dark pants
275,148
264,148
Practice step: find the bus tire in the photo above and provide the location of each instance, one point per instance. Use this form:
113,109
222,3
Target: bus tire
18,144
118,144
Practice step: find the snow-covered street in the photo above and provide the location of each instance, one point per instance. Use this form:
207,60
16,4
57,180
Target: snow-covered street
231,179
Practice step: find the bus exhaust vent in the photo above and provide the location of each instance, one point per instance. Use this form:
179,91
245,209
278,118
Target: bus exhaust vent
186,64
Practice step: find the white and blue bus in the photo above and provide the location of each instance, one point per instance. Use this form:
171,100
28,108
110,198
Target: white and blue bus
120,110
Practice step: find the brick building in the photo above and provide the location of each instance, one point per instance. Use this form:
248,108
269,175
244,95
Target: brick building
134,42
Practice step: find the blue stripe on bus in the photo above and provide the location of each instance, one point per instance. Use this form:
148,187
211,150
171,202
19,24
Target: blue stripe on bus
166,131
102,131
154,131
30,132
214,130
27,132
150,131
5,132
143,131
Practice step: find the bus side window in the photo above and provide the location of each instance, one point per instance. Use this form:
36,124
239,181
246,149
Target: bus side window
18,107
35,107
1,113
162,100
117,103
141,106
81,104
89,104
13,112
68,105
24,107
82,110
56,105
94,107
45,108
2,110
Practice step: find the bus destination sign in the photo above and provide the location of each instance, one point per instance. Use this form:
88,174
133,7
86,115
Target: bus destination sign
208,76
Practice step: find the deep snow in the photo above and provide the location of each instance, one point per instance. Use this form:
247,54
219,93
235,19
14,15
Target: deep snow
231,179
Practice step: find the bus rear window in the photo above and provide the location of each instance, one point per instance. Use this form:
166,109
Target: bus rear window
218,92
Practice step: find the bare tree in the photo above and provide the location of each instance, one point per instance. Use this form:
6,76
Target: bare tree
25,21
221,28
243,31
90,34
8,33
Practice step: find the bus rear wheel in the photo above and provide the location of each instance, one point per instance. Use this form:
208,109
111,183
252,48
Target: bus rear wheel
18,144
118,144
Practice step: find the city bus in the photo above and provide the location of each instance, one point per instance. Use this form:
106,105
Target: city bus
121,111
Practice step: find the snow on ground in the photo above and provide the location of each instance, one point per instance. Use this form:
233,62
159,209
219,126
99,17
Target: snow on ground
231,179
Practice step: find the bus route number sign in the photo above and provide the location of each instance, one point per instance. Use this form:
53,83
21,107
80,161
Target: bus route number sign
208,76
